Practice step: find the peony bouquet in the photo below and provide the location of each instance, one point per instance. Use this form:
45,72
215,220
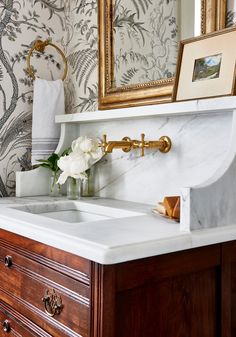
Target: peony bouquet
85,152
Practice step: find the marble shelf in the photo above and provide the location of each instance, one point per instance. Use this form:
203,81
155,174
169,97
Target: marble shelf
221,105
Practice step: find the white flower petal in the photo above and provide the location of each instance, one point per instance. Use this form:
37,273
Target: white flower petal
75,146
86,145
62,178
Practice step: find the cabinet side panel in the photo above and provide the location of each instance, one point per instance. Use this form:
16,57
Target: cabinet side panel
184,306
172,295
228,289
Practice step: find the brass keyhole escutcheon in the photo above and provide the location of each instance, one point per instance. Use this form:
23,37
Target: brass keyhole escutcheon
52,303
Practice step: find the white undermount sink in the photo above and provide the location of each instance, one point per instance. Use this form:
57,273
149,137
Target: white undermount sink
75,211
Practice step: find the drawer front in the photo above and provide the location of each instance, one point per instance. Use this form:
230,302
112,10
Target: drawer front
57,303
14,324
59,260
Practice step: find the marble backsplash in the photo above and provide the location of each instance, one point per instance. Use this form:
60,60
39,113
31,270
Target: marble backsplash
200,144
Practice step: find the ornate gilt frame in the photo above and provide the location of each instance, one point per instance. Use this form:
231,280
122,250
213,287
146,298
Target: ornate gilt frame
212,18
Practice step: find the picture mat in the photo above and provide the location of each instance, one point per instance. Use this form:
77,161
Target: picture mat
213,87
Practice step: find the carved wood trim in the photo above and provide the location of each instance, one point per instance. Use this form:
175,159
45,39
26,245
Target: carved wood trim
49,283
36,315
104,294
52,264
25,322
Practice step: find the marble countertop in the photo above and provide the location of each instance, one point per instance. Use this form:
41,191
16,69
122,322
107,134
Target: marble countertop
109,241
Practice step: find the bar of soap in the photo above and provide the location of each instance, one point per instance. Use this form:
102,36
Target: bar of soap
176,210
169,204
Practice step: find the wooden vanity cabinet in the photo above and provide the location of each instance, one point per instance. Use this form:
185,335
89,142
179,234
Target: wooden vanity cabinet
184,294
229,289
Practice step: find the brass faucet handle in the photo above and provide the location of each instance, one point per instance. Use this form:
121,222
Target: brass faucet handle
104,139
103,143
142,144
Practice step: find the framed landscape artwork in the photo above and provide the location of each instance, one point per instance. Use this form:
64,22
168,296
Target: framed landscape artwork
206,66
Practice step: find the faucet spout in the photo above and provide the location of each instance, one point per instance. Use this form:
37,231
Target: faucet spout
125,144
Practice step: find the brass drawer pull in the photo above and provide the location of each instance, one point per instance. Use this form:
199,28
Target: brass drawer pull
8,261
6,326
52,303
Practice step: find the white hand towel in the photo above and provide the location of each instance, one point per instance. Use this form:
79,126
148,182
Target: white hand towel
48,102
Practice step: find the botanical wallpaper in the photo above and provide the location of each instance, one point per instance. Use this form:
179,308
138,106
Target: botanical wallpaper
231,13
82,51
145,40
72,25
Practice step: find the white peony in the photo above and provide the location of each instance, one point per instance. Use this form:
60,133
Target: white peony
74,165
84,144
89,147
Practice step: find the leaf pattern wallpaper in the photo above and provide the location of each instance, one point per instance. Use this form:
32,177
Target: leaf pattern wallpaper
231,13
72,24
145,40
21,22
151,27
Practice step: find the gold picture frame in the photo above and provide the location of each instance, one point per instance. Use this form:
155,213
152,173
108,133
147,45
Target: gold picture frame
206,66
212,18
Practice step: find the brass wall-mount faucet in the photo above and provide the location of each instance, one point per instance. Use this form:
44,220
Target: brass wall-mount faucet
127,144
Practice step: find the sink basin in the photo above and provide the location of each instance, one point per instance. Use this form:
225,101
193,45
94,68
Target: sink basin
75,211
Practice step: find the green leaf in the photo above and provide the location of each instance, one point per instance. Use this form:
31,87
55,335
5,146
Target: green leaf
42,160
66,152
45,165
50,163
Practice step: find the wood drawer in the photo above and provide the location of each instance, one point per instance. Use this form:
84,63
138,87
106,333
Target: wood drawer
68,264
14,324
23,284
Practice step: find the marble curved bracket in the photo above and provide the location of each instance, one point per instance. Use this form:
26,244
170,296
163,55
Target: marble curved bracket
212,203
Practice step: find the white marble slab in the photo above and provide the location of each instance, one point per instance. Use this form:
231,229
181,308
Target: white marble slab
200,144
108,241
212,203
203,137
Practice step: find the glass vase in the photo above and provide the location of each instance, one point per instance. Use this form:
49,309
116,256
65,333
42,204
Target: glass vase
73,188
88,184
54,188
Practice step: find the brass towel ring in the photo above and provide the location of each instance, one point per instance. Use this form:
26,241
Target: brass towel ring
40,47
